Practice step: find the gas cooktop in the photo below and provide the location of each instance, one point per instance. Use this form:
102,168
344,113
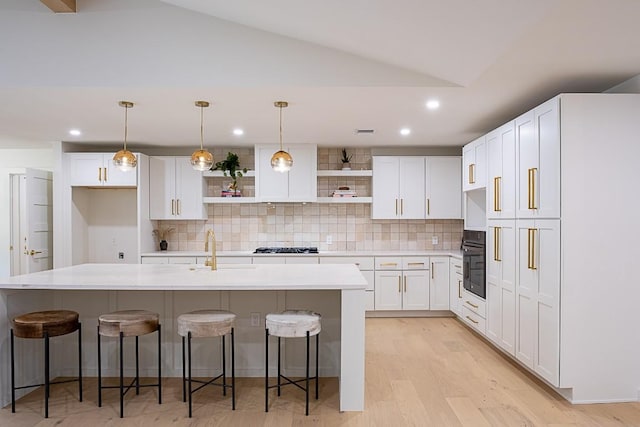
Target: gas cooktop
294,250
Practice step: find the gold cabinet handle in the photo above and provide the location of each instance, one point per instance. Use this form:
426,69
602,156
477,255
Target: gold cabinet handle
531,249
471,304
99,174
459,290
401,206
472,179
396,206
405,284
432,271
173,206
496,243
178,206
428,207
497,196
415,263
531,181
474,321
105,174
399,284
388,264
32,253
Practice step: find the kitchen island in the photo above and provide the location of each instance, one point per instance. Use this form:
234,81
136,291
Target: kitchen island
334,290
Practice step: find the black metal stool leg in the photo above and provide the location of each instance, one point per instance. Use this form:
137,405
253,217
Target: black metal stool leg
306,388
224,368
233,371
189,377
13,376
266,370
46,375
159,365
317,353
99,372
137,369
279,371
184,372
121,376
80,362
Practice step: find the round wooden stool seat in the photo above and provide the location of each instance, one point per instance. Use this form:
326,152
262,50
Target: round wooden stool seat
206,323
54,322
293,323
131,323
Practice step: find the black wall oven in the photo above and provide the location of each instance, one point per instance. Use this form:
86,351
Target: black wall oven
473,261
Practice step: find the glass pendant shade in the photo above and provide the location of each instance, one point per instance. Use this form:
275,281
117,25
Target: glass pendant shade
202,160
281,161
124,159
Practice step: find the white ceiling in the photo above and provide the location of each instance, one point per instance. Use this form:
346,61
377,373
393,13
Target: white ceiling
341,65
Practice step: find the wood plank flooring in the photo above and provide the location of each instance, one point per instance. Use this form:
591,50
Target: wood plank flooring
419,372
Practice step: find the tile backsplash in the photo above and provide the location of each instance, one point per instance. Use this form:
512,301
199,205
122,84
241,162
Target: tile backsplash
243,227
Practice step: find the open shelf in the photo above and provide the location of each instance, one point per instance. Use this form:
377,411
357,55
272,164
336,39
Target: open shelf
345,173
219,174
345,200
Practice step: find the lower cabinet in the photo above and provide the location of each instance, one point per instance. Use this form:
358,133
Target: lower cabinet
402,283
439,283
455,286
366,266
474,311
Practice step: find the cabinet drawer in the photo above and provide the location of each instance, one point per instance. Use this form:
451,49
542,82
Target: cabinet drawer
304,259
229,260
370,298
415,263
154,260
183,260
363,263
268,260
472,319
474,304
388,263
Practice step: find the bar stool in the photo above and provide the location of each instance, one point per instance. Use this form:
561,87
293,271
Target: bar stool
45,324
128,323
291,324
201,324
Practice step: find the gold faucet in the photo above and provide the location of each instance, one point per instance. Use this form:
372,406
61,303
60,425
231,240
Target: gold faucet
212,262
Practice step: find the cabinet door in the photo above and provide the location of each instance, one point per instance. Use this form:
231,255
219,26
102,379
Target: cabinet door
412,188
455,285
85,169
468,162
114,177
538,151
303,179
189,185
388,290
439,284
501,167
271,186
162,190
385,183
415,288
443,187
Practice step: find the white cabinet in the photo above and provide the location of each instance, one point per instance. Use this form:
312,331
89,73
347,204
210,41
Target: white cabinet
298,185
538,297
443,187
455,286
439,283
398,187
474,158
501,283
176,189
97,170
501,168
366,266
402,283
474,311
538,161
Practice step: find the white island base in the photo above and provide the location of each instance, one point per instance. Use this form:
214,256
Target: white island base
334,291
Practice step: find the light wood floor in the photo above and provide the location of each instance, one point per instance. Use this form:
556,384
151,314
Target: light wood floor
419,372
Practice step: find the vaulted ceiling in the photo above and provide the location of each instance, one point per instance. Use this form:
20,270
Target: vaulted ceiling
341,65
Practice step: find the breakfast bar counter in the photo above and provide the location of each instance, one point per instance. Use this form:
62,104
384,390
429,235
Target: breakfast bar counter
337,291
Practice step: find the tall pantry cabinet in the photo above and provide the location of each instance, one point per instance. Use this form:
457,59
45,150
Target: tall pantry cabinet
561,294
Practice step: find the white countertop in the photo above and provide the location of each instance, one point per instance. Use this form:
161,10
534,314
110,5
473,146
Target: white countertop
445,252
248,277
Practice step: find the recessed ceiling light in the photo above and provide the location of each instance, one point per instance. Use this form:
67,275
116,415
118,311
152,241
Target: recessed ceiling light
405,131
238,131
75,132
433,104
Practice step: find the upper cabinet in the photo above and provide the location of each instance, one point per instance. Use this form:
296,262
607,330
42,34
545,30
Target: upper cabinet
443,188
501,168
298,185
97,170
176,189
538,161
398,187
474,158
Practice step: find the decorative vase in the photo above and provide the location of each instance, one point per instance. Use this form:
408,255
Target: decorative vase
163,245
346,166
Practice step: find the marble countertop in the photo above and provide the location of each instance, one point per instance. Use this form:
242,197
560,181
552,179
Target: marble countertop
445,252
248,277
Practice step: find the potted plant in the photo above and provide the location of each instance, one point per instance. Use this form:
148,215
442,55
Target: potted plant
162,234
346,160
231,167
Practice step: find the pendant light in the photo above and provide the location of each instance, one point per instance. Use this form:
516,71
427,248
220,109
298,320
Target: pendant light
124,159
201,159
281,161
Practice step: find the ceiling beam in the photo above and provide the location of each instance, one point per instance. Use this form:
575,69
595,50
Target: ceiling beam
61,6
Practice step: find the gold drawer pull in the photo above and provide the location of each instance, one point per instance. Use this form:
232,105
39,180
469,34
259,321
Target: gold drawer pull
399,284
405,284
459,285
496,194
416,263
388,264
474,321
472,304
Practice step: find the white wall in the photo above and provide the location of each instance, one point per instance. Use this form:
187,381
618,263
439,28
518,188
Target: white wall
10,161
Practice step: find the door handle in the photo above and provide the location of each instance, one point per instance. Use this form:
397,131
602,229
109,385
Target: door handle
173,206
105,174
178,206
32,253
428,207
405,284
99,174
497,182
399,284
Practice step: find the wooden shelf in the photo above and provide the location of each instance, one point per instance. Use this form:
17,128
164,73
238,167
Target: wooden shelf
344,200
345,173
219,174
